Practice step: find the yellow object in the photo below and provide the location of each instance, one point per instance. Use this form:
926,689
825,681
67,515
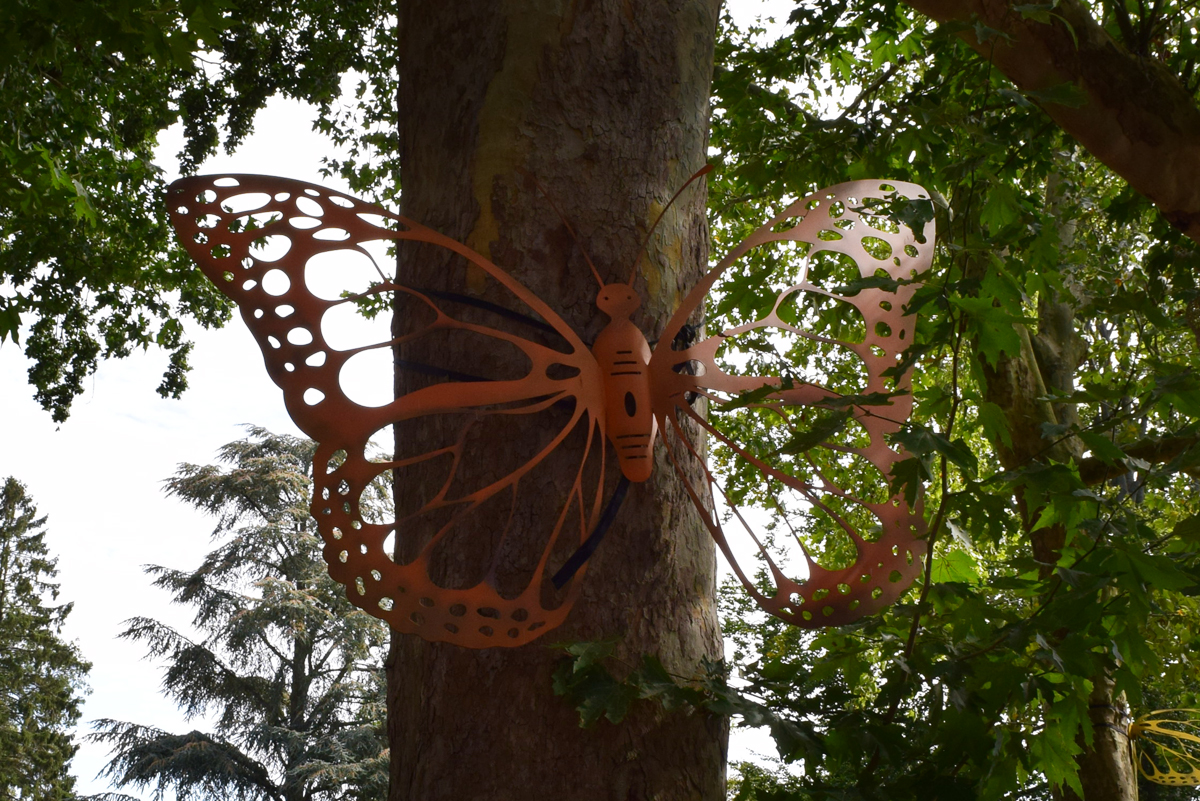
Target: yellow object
1166,746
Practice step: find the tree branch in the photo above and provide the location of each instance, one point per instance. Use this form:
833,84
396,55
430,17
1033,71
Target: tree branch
1155,451
1138,119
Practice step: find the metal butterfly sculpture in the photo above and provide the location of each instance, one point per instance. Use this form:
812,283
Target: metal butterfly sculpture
618,389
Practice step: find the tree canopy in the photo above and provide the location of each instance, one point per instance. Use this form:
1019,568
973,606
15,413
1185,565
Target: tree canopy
88,266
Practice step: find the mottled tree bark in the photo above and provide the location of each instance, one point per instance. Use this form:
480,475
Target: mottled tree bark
1138,120
606,104
1016,384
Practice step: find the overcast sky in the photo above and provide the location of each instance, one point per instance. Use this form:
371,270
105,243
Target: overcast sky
98,477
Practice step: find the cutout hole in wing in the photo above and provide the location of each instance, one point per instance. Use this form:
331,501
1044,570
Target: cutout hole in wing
544,514
447,354
310,207
276,282
377,220
789,524
830,268
506,443
465,293
876,248
335,274
418,527
464,553
270,248
750,289
878,220
344,328
253,222
777,355
367,378
244,202
418,438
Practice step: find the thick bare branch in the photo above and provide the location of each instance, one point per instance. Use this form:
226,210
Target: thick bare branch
1155,451
1138,119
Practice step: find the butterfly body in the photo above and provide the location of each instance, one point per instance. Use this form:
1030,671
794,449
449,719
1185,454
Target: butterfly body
623,354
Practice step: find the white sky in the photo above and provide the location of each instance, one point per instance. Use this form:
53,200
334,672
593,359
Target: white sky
99,476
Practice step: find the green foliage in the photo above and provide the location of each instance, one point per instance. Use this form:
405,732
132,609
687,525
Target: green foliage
287,672
84,258
87,260
41,677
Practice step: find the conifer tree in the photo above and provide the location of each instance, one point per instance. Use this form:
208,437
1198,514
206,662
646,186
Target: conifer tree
41,676
285,672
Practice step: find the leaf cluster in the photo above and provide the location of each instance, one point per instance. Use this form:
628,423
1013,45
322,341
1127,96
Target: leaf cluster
88,266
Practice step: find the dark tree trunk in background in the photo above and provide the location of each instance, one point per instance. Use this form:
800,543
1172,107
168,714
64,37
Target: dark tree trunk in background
606,103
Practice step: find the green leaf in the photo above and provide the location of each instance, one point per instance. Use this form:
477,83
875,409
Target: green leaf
955,564
1102,447
753,396
994,327
923,441
1040,12
1188,529
824,427
907,478
871,399
995,424
1158,571
10,321
1002,207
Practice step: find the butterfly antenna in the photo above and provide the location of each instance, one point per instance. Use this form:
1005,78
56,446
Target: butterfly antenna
563,217
705,170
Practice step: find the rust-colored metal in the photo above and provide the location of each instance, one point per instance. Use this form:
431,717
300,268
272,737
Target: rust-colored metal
827,220
618,389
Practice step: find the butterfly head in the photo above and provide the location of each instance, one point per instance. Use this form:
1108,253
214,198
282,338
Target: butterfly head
618,301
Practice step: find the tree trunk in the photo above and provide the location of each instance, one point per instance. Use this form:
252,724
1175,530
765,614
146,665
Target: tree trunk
1048,360
605,103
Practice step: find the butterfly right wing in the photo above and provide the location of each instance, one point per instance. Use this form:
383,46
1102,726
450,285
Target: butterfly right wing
492,402
801,376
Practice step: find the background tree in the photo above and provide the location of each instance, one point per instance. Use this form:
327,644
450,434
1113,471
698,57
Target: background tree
288,673
41,677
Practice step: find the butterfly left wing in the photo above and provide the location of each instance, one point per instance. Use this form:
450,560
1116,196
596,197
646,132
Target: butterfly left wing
1167,746
476,543
813,446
